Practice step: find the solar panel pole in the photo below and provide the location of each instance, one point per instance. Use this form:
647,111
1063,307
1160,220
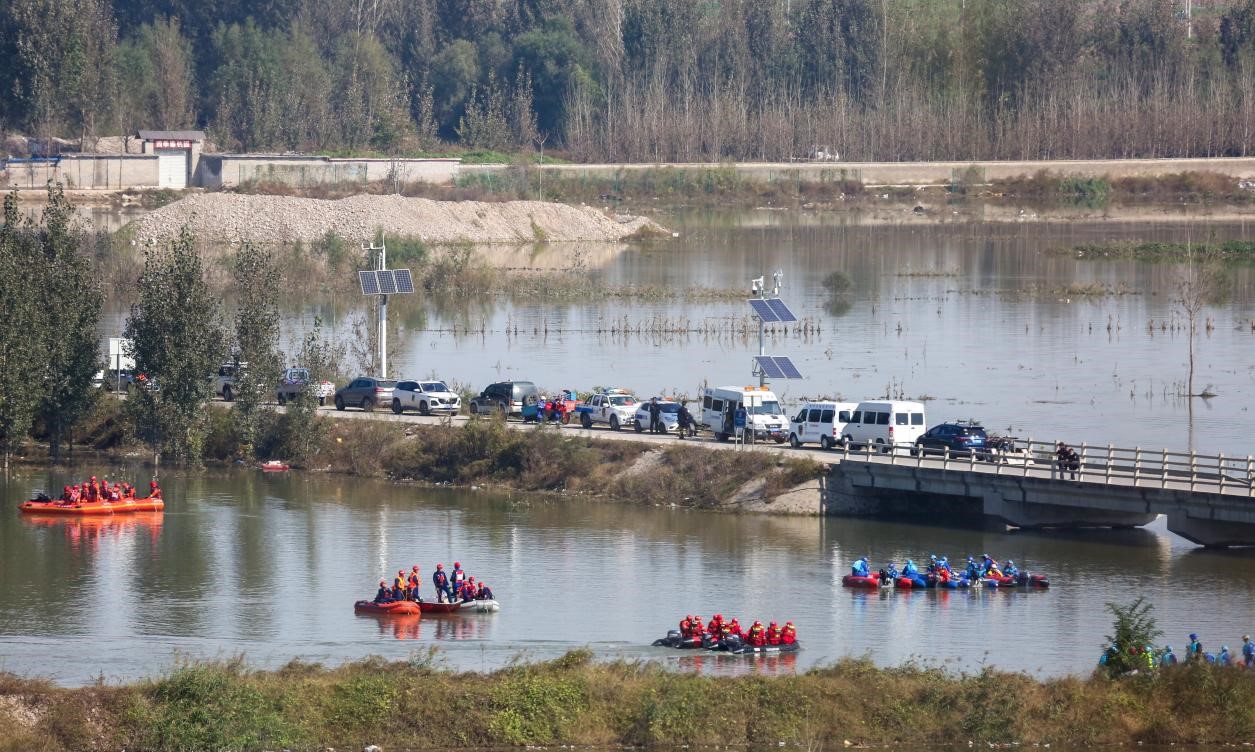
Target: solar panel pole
381,264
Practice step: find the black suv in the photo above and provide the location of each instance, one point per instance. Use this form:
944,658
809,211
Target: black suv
962,438
505,397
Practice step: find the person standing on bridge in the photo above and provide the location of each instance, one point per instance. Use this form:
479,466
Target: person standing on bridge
1067,460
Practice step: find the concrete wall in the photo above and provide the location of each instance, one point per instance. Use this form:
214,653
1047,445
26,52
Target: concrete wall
231,170
913,173
83,171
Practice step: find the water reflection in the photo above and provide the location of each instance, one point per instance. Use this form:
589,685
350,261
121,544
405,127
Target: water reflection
269,565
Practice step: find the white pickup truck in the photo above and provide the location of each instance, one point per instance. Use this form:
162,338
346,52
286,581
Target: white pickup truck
616,408
296,380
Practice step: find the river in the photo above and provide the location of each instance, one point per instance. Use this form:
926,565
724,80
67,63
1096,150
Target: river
981,318
268,566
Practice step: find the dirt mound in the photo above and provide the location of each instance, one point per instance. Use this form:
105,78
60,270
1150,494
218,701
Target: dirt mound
231,217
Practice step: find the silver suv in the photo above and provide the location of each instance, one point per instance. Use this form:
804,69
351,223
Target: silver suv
366,392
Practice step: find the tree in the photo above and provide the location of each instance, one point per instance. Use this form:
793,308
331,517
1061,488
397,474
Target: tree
256,340
1134,631
70,305
19,347
177,340
297,439
1197,287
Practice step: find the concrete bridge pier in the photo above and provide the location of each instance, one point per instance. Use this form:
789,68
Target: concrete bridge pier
1025,514
1211,533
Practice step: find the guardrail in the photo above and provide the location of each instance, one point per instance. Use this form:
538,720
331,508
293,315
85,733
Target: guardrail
1108,465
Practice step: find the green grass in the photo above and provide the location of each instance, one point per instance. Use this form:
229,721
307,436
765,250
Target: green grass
576,701
1229,251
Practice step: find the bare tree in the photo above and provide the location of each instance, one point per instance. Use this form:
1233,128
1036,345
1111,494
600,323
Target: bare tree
1200,285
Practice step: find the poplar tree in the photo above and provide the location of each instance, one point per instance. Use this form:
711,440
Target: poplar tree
177,340
19,350
256,339
69,313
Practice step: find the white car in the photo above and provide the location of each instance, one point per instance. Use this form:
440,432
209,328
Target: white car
668,413
616,408
427,397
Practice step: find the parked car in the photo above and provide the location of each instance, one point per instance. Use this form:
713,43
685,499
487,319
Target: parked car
366,392
820,422
615,408
114,381
296,380
224,381
668,413
962,438
886,424
505,397
427,397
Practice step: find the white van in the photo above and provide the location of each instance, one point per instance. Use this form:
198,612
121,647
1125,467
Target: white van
820,422
886,424
763,414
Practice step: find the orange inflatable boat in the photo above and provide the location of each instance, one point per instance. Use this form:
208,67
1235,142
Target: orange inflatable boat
92,507
390,608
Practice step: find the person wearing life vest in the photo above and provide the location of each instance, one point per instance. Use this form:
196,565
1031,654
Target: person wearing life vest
384,595
972,572
441,581
699,628
1194,651
413,582
716,626
773,634
945,564
484,593
943,574
735,627
154,491
909,570
757,636
66,495
860,568
398,586
93,489
788,635
84,492
1248,651
1011,570
686,626
457,578
1148,655
1223,658
116,493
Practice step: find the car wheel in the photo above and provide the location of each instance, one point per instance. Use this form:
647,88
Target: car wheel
227,394
586,420
637,425
848,440
474,409
396,406
825,443
339,402
566,419
503,409
614,422
423,409
282,399
367,404
793,441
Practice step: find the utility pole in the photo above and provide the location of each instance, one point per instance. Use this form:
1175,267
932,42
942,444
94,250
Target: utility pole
380,265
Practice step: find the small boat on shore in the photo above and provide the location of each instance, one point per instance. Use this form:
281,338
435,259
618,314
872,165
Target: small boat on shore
274,466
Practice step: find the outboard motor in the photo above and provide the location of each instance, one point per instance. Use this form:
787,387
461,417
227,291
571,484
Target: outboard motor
671,640
733,642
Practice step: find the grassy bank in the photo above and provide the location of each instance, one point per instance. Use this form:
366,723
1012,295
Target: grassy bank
480,452
574,701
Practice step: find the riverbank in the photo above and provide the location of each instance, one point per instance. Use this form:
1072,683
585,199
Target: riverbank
576,701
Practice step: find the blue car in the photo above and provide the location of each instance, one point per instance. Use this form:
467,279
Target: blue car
963,439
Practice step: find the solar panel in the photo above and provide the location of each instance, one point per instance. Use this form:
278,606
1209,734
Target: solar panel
405,283
387,282
781,310
763,311
768,366
787,368
370,282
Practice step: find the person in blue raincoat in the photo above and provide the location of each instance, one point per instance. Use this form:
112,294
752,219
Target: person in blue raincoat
1248,651
973,570
944,562
909,569
1167,658
860,568
1194,651
1011,570
1223,658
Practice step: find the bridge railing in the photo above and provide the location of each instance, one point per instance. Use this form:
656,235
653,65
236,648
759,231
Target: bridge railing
1106,464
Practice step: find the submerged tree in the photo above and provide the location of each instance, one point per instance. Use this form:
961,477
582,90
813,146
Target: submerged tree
1133,633
176,338
256,340
1199,286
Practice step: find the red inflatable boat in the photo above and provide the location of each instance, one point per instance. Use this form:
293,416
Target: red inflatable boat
390,608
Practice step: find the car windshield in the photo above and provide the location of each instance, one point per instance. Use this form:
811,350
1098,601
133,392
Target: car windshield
668,407
434,386
622,400
386,384
769,407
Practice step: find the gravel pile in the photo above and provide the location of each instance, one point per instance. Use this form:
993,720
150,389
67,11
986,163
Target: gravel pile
232,217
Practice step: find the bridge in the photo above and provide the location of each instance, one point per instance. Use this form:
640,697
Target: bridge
1208,499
